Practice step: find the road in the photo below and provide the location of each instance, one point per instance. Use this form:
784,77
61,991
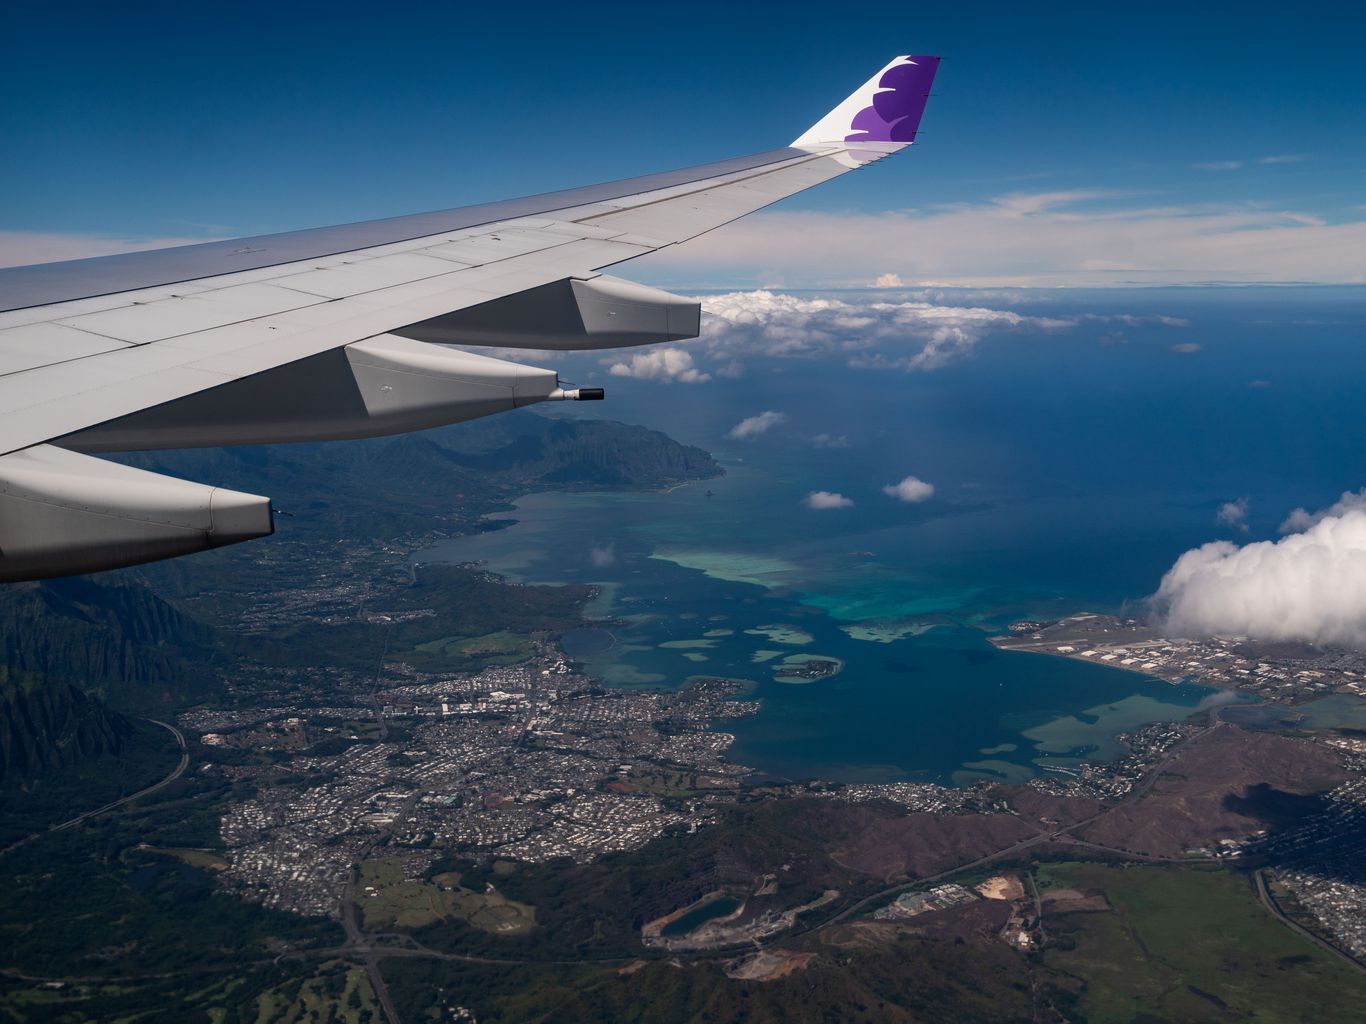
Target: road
371,949
1044,836
1269,901
356,943
176,773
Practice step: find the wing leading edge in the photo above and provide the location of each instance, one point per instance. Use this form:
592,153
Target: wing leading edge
345,332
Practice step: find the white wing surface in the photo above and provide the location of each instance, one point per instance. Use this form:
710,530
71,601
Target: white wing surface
345,332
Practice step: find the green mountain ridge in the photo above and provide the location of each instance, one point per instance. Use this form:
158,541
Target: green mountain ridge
430,468
79,656
111,639
48,725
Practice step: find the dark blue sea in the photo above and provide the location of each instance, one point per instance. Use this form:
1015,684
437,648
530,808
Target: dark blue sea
1070,469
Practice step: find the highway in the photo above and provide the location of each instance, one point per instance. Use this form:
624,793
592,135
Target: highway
1044,836
372,948
176,773
1269,901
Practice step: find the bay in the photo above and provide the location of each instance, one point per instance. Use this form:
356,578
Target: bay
1069,474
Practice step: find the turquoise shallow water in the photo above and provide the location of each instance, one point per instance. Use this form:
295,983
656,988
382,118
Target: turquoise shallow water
921,694
1069,475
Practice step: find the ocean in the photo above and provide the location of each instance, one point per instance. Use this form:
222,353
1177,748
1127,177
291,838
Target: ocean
1070,469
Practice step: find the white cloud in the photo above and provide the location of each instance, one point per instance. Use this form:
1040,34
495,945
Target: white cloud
1219,165
753,426
831,441
603,556
1234,514
1307,586
1283,158
868,332
889,281
732,370
666,364
1302,519
1185,348
910,490
1136,320
1084,237
827,499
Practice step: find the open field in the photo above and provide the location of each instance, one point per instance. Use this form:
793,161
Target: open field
414,903
331,990
1190,945
472,652
388,900
673,783
338,992
208,860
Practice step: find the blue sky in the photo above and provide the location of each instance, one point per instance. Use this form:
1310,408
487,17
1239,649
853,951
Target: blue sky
172,121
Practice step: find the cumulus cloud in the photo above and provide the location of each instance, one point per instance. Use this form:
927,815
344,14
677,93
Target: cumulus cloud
1074,238
831,441
889,281
753,426
1234,514
868,333
910,490
1306,586
666,364
1302,519
827,499
603,556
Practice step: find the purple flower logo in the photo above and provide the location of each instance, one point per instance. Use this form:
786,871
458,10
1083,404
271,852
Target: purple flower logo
894,115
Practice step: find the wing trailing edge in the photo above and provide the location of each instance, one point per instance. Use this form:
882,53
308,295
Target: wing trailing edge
340,332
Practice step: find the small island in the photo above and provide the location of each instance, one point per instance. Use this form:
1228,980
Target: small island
806,668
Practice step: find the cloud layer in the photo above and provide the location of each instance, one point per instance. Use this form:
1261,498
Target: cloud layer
1075,237
1306,586
20,248
1078,237
868,332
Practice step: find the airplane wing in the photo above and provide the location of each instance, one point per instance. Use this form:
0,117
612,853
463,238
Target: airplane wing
346,332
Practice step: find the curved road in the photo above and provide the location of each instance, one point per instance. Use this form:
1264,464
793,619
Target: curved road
176,773
1268,899
364,947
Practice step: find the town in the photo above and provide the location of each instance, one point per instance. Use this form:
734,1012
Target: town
534,762
530,763
1291,673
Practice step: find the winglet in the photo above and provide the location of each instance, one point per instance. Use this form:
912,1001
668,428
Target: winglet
886,109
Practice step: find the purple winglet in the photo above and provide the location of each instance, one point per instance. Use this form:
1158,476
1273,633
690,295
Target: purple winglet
895,112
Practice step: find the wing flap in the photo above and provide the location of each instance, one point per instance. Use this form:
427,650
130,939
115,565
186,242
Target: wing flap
281,299
229,342
40,404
